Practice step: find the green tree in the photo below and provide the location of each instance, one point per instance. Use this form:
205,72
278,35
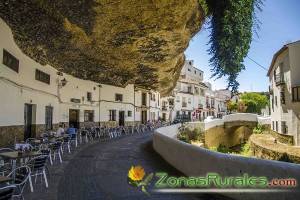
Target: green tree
232,106
254,101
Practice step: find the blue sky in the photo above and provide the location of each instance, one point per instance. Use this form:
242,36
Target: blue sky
280,23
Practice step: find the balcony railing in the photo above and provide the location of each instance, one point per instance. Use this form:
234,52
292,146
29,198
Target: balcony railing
279,79
187,91
270,90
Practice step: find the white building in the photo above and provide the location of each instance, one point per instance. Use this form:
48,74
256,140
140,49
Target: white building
284,77
191,98
36,98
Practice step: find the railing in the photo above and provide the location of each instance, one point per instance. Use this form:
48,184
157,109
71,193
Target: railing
279,79
186,91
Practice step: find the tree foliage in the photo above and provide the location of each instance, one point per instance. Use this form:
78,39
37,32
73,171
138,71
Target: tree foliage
254,102
232,23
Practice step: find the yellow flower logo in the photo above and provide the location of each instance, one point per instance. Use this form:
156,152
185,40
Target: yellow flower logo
136,178
136,173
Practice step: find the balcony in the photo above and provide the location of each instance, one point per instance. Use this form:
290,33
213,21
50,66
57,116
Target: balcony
270,90
207,105
184,104
186,91
279,79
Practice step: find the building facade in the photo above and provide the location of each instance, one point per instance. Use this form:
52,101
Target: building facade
37,98
192,99
284,78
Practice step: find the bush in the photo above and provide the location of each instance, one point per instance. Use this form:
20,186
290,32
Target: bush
285,158
223,149
245,150
258,129
188,135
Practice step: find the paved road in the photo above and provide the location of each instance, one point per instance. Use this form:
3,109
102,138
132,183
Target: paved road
99,171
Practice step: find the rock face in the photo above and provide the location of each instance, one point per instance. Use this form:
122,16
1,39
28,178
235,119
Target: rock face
109,41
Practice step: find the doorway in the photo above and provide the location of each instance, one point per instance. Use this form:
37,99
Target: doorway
144,116
121,118
164,117
74,118
29,121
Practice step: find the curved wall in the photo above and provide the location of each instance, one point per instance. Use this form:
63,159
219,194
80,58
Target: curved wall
197,161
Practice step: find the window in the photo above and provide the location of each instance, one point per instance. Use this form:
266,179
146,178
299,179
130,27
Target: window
296,93
89,116
189,69
195,72
49,117
152,97
276,123
177,99
144,99
273,127
284,128
275,100
129,113
119,97
89,96
196,90
272,103
10,61
42,76
177,113
282,96
112,115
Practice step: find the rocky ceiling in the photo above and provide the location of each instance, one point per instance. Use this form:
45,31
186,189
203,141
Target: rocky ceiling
108,41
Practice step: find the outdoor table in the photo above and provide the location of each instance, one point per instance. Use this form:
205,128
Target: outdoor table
15,155
4,179
20,146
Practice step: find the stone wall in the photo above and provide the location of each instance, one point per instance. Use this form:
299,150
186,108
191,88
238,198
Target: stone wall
196,161
8,134
286,139
230,134
263,146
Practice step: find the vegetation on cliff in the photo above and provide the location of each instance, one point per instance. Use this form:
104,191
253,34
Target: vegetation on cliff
232,25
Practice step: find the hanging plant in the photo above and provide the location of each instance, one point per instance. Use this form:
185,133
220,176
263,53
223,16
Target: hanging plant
232,24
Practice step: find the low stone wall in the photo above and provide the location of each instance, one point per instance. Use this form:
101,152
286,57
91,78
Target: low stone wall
263,146
196,161
8,134
287,139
